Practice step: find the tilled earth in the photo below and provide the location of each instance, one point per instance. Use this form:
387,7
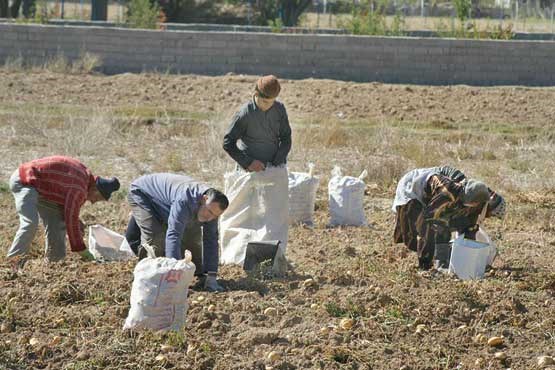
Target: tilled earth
70,315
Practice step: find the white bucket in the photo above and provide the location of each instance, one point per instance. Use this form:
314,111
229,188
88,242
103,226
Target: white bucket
469,258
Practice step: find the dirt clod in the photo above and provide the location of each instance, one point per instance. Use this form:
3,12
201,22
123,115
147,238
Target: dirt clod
82,356
495,341
544,361
270,311
205,324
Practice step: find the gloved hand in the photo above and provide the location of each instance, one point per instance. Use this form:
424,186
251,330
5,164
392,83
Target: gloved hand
211,283
86,255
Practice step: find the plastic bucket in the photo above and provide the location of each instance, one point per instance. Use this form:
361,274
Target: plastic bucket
469,258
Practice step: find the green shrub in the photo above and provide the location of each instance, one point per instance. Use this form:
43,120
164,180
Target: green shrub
276,25
463,9
366,20
4,187
142,14
40,12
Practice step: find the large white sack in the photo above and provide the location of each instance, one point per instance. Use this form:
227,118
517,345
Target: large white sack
346,199
468,258
107,245
302,196
159,293
258,210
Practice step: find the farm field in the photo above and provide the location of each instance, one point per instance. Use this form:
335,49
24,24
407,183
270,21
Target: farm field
130,124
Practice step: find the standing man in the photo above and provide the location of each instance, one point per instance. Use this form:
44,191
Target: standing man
262,127
259,140
172,213
55,188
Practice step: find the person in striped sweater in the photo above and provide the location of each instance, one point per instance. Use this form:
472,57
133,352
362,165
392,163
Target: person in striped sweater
54,189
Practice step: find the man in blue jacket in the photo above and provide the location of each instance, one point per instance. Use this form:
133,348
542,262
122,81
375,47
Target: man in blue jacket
168,213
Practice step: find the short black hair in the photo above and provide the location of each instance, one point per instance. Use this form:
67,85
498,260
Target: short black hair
218,197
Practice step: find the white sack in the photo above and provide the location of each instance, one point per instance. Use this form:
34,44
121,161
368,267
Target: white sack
302,196
159,293
468,258
346,199
107,245
258,210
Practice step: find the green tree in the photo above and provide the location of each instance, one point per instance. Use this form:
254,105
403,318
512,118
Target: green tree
183,10
4,8
28,8
289,11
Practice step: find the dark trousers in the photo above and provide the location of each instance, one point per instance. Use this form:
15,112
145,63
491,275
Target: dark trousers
144,227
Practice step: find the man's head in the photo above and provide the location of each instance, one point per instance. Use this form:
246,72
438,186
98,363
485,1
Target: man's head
212,205
103,189
266,91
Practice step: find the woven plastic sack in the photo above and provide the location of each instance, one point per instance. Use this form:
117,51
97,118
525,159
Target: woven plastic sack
107,245
258,210
302,196
346,199
159,293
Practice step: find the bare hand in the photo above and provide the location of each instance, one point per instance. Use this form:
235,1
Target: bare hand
256,166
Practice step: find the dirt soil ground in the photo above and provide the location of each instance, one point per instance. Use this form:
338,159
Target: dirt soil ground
70,315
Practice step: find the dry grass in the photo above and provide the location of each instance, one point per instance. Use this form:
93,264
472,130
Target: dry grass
86,63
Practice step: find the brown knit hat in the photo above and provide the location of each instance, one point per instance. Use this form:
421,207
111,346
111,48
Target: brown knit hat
268,87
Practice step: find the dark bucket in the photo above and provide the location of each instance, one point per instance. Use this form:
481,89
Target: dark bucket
258,252
442,255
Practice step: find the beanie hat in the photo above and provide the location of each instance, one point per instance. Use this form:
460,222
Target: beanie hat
475,192
268,87
107,186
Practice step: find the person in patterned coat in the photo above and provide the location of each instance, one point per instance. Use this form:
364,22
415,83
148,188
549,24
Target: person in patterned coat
431,203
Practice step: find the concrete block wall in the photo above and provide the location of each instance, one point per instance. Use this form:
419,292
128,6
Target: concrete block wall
343,57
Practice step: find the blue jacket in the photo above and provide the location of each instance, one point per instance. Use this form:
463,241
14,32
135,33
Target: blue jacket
175,201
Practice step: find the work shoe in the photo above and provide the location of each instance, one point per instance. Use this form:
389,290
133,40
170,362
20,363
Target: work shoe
211,284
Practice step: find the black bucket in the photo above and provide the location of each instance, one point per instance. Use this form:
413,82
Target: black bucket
442,255
258,252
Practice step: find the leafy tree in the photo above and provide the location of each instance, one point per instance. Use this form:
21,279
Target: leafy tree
28,8
289,11
180,10
4,8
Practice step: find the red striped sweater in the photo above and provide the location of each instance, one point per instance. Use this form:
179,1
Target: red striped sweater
65,181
